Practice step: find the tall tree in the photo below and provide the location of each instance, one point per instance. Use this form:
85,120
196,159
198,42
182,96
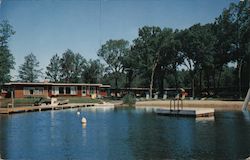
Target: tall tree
30,71
170,55
93,71
223,30
72,66
131,68
232,31
53,69
197,47
6,58
112,52
146,49
240,20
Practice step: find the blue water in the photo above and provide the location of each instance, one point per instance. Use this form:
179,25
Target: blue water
123,134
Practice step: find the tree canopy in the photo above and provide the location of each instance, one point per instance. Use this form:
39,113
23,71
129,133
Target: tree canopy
6,58
30,70
113,52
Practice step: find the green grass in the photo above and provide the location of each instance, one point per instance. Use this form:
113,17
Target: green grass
25,100
31,100
80,100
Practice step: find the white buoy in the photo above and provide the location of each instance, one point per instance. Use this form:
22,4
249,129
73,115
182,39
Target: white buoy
78,112
84,120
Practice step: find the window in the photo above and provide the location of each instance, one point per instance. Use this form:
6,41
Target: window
64,90
61,90
33,90
73,90
67,90
55,90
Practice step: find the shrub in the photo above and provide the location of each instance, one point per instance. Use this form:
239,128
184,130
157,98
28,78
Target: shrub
129,99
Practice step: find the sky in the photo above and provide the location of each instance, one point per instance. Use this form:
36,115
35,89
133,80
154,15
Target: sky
49,27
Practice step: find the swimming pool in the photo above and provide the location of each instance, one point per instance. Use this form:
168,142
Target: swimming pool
125,133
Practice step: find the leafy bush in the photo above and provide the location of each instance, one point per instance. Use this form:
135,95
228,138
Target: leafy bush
129,99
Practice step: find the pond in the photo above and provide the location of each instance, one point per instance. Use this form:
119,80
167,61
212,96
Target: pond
123,134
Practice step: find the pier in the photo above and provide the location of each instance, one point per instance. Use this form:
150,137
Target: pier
50,107
186,112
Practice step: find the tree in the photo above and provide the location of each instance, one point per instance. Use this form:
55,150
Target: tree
30,71
131,68
72,67
170,55
154,51
53,69
93,71
222,29
146,50
197,47
6,31
240,20
112,52
6,58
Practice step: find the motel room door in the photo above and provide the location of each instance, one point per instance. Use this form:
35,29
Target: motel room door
84,90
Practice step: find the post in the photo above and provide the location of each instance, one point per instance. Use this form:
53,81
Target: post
12,99
245,104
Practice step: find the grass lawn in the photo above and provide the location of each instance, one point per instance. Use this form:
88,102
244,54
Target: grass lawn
31,100
80,99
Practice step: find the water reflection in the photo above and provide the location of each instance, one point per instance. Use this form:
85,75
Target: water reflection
123,134
205,119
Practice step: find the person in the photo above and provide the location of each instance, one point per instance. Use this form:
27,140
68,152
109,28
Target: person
181,95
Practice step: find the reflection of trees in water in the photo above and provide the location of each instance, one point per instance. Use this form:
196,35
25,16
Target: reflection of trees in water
146,137
232,136
160,137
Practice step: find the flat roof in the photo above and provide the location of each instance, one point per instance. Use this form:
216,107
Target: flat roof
55,84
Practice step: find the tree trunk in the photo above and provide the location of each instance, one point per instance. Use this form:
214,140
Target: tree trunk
200,86
193,87
219,78
214,81
116,86
176,79
208,82
161,82
152,81
130,78
239,76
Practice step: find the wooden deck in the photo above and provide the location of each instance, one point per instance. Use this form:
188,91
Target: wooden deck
45,107
189,112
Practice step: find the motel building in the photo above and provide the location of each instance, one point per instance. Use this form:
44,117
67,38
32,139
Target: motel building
46,89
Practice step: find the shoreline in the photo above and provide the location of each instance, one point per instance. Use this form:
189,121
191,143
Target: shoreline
216,104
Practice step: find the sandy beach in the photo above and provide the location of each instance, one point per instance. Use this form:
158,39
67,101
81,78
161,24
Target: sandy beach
216,104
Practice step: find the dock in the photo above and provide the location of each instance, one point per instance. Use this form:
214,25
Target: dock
186,112
49,107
